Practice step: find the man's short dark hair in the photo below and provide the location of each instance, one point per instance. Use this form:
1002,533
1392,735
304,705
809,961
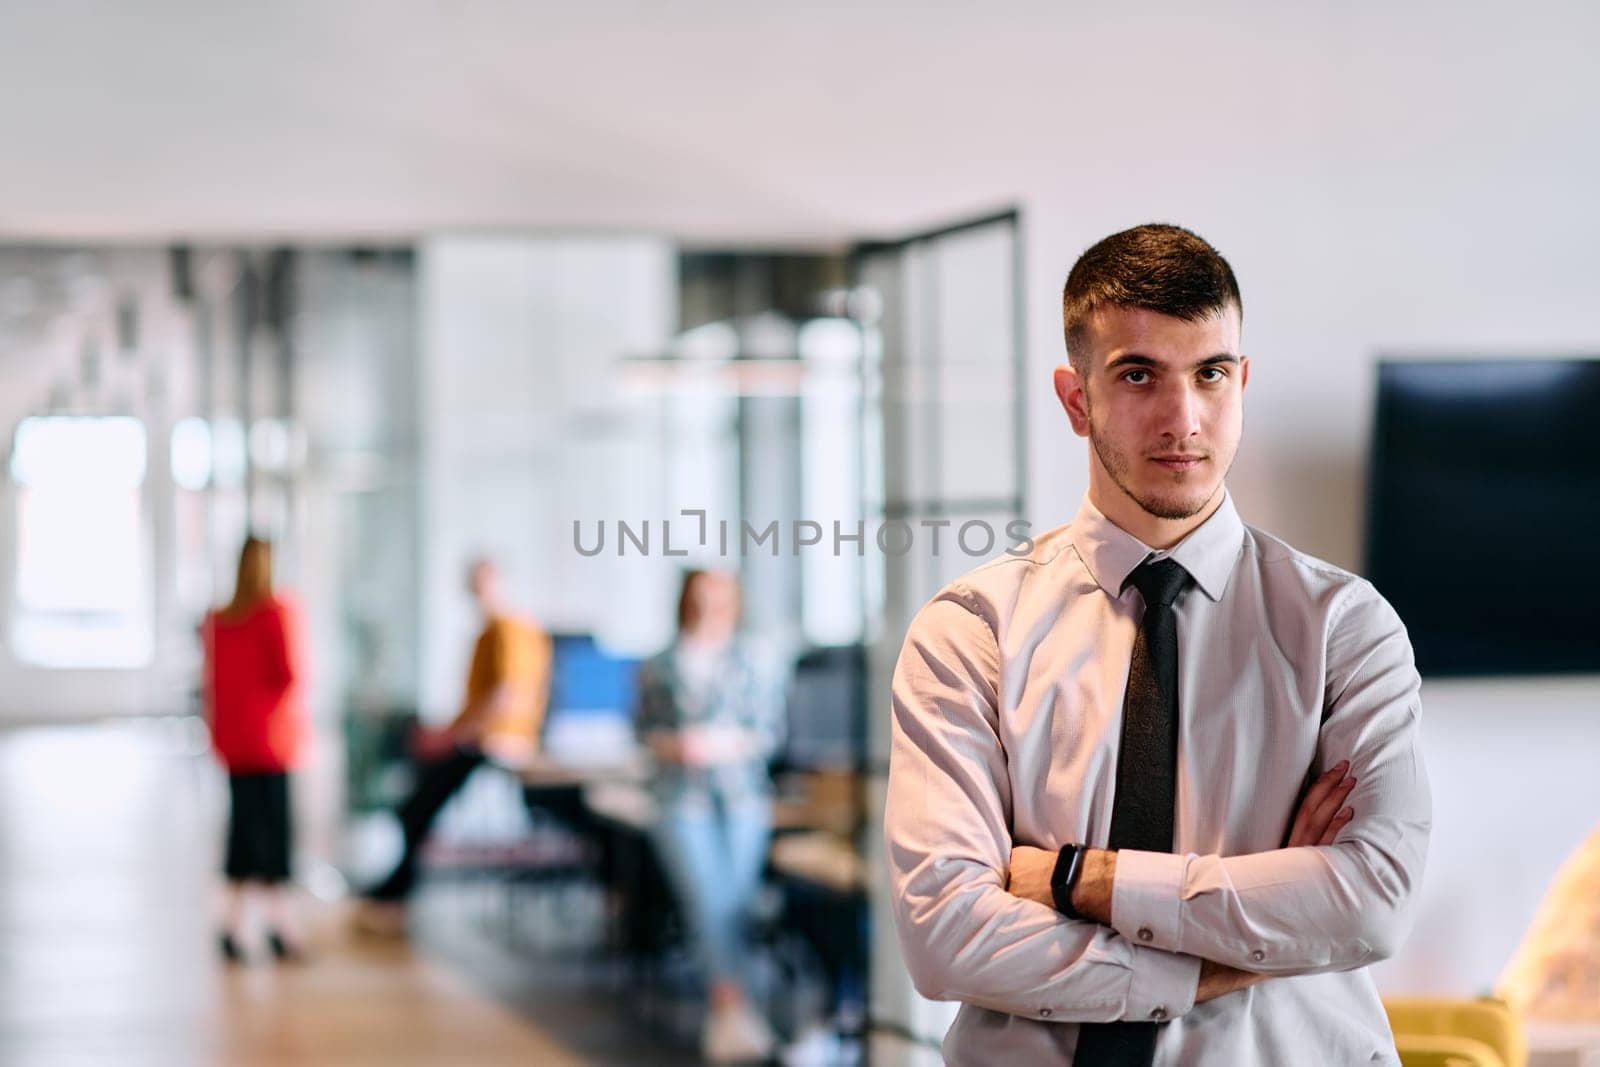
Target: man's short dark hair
1156,267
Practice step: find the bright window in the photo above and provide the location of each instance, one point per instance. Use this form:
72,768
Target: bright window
83,563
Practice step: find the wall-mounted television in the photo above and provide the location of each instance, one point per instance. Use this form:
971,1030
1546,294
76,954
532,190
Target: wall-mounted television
1483,517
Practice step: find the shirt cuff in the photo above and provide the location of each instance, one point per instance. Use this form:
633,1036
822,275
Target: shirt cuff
1147,898
1163,987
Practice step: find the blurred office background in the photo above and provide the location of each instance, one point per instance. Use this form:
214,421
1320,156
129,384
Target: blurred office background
399,284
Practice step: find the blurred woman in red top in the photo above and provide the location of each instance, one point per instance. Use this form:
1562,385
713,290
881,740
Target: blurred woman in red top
258,727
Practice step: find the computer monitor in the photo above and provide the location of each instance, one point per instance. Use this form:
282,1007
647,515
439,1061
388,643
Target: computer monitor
590,716
827,723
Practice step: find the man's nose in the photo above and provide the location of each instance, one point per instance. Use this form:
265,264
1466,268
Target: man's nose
1180,415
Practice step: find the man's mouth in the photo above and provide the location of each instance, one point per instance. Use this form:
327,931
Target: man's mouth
1179,461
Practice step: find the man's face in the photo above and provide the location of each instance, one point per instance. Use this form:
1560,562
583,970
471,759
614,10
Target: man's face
482,581
1162,403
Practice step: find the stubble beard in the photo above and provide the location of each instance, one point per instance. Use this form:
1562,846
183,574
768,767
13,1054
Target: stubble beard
1118,467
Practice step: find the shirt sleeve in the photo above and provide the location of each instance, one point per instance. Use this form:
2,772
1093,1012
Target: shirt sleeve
1311,909
947,832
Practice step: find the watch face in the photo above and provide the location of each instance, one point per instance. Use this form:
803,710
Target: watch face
1064,863
1063,877
1069,854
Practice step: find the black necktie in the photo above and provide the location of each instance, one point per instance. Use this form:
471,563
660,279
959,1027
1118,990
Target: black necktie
1147,778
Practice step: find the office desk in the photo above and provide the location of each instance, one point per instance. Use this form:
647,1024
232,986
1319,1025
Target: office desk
820,858
543,772
561,789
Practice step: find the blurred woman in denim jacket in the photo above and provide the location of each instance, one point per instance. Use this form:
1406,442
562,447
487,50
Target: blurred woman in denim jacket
711,712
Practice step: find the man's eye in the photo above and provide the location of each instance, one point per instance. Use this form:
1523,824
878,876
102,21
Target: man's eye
1136,377
1212,374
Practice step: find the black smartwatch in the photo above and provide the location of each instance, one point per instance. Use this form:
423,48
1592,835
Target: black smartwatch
1069,868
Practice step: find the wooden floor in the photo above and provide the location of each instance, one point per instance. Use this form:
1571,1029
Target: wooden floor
108,846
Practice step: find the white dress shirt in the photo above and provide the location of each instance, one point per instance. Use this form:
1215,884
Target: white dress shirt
1007,721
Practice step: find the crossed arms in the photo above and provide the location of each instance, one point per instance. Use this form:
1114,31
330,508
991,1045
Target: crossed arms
1316,824
1169,921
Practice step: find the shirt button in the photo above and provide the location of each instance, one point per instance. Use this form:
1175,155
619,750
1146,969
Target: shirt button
1158,1013
1145,934
1044,1013
1258,955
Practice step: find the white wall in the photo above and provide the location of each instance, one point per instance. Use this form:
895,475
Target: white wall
1514,793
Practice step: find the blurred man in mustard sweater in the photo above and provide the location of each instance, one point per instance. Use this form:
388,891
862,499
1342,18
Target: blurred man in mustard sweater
500,718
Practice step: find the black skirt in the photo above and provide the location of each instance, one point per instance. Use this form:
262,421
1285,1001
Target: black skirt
258,828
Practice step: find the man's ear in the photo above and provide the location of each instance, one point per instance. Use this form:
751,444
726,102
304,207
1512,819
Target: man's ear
1244,372
1074,399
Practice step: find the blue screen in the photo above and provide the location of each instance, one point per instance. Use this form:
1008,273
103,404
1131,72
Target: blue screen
587,680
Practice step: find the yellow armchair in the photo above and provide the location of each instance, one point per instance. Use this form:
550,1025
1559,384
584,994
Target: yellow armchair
1439,1050
1439,1032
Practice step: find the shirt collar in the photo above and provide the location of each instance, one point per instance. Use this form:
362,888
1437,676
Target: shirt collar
1111,553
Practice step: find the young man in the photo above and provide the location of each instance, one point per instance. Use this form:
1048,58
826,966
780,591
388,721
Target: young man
1117,826
506,691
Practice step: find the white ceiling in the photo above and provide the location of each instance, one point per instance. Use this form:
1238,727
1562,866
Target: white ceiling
711,120
390,118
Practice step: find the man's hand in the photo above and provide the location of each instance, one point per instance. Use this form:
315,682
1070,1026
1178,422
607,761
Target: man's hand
1030,873
1031,868
1320,817
667,747
1317,822
431,743
1028,876
1218,980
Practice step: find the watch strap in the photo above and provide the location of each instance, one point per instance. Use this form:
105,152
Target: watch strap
1068,869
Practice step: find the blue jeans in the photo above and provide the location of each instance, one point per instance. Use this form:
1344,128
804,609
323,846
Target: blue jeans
713,850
